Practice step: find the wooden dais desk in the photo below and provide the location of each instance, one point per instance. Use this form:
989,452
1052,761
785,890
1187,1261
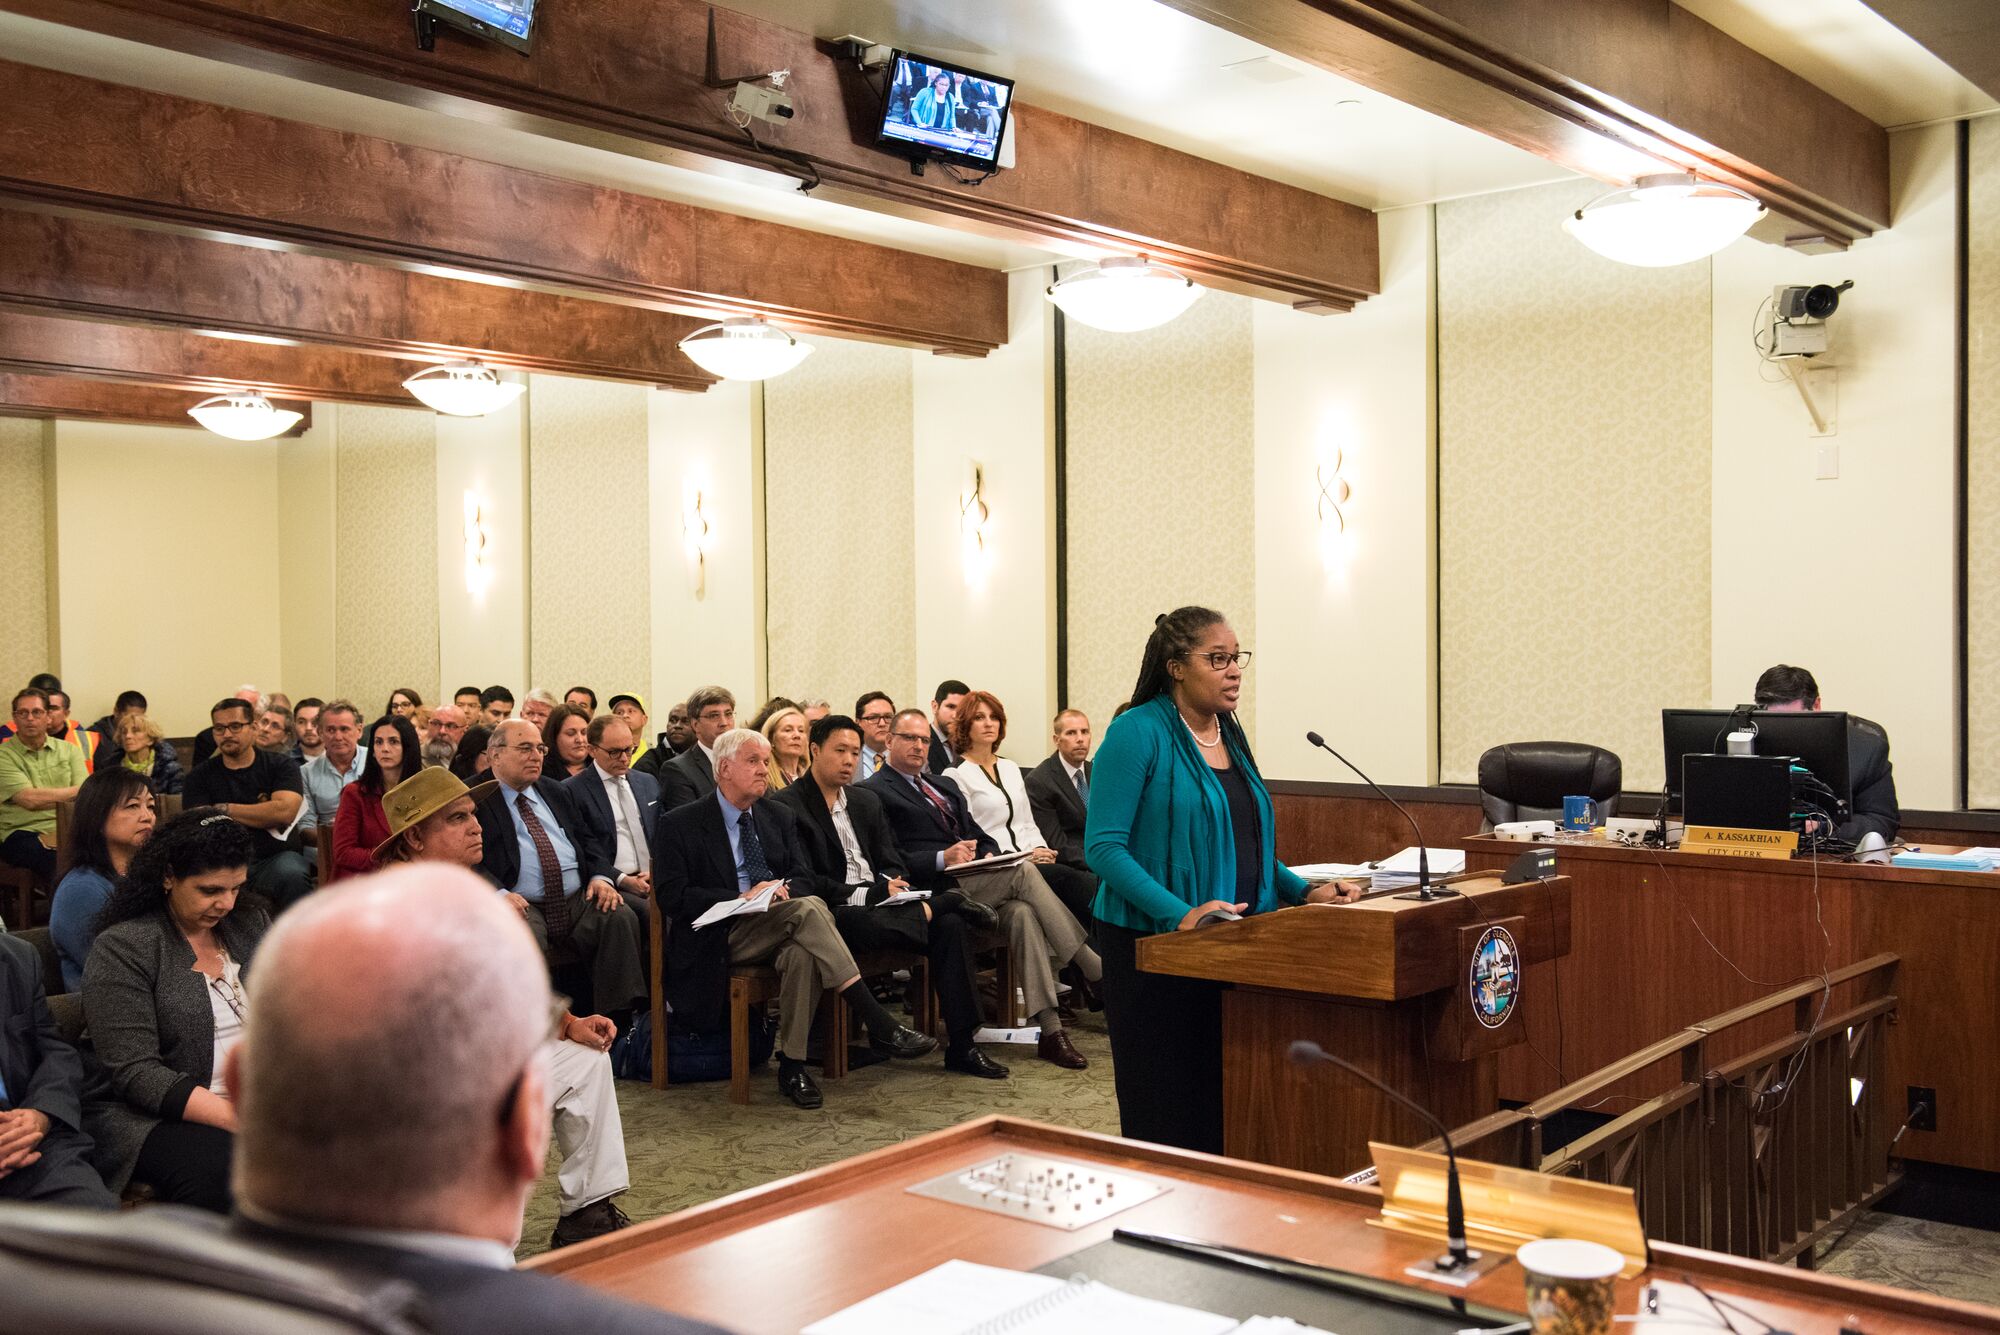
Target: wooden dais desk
1650,932
779,1257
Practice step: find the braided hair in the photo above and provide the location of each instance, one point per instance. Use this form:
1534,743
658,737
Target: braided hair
1174,633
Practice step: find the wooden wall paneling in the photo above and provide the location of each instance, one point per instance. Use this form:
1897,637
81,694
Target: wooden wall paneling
1609,88
1312,828
1076,186
173,359
99,270
353,196
101,401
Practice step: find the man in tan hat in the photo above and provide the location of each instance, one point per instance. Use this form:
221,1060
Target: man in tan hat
431,819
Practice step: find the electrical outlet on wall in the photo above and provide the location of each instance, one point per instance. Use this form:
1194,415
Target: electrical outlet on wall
1826,462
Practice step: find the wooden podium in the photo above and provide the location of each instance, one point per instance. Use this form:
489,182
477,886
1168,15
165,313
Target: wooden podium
1386,983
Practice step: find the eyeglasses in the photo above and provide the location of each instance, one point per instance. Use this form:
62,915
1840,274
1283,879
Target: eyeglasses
923,737
876,718
527,749
615,752
1220,661
221,728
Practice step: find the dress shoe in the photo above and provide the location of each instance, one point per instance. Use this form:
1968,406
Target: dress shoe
974,1062
1057,1050
798,1086
979,917
592,1221
903,1043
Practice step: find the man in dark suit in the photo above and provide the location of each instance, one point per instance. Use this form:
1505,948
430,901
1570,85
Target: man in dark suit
44,1151
691,774
540,852
730,846
1869,773
1059,789
949,695
621,807
936,832
414,1169
848,841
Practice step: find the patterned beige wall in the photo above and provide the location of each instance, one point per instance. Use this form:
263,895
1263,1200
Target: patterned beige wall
385,591
1983,472
1161,491
840,555
590,556
1573,484
24,648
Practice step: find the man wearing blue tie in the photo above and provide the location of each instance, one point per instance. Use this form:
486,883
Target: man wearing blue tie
1059,789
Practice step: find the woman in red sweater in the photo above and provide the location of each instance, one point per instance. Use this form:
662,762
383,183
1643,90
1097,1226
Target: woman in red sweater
360,825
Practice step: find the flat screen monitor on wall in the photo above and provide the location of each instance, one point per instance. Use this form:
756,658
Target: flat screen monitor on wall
508,22
940,110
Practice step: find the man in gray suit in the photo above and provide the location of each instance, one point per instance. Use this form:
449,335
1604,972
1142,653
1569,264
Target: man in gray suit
1059,789
416,1168
44,1152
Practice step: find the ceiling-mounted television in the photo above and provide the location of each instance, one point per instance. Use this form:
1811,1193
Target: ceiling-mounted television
508,22
936,109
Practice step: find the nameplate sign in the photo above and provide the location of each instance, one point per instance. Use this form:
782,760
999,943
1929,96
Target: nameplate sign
1734,843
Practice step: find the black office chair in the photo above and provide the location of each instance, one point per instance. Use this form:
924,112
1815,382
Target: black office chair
173,1271
1529,780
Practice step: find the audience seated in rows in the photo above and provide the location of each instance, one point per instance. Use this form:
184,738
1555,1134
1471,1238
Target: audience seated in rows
45,1152
621,808
260,790
37,774
360,825
541,854
113,818
728,846
849,844
432,820
936,832
164,999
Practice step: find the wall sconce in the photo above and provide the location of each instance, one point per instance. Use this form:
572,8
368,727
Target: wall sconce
478,570
694,537
973,515
1331,519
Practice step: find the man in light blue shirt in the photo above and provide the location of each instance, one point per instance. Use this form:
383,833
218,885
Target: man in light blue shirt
338,765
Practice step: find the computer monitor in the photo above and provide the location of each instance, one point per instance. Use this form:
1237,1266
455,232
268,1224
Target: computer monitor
1816,738
1738,792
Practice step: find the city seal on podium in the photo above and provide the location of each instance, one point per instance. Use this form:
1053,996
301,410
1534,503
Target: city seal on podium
1495,977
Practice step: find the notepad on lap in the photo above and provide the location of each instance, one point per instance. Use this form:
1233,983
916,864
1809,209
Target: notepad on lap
731,908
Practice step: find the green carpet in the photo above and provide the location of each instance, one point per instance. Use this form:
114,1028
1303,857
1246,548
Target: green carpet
690,1144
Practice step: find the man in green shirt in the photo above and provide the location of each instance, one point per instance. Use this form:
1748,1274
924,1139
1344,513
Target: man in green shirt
35,775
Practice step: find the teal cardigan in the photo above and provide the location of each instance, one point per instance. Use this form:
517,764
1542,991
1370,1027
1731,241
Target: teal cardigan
1158,833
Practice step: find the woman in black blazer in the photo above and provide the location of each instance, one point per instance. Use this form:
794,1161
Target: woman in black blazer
163,996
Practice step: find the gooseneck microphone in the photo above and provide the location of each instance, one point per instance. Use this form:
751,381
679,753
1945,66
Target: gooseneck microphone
1423,890
1457,1256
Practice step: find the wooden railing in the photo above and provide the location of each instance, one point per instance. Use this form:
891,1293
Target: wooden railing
1757,1156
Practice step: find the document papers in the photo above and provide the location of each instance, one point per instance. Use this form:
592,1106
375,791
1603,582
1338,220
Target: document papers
994,863
1394,873
731,908
961,1298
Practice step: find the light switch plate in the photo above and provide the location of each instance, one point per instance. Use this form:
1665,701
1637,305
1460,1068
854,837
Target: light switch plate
1826,462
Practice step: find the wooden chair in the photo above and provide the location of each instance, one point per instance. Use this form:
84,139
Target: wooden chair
21,886
323,838
65,818
167,806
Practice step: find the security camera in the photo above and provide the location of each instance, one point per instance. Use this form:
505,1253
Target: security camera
754,101
1799,316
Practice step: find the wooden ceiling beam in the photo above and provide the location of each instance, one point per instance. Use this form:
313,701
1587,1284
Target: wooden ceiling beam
176,359
103,149
101,271
632,78
73,398
1610,88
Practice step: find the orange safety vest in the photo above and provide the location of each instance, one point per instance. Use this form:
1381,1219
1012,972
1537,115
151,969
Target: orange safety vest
86,741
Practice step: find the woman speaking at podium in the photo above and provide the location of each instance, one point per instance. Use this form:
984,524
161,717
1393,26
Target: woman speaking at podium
1179,827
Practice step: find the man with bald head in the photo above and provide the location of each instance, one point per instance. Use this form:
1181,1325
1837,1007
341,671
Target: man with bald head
392,1100
555,873
431,820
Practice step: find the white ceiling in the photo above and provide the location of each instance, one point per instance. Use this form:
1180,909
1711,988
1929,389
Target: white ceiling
1147,70
1853,53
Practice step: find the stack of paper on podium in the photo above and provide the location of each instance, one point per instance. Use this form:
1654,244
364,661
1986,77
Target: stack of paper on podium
1395,873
